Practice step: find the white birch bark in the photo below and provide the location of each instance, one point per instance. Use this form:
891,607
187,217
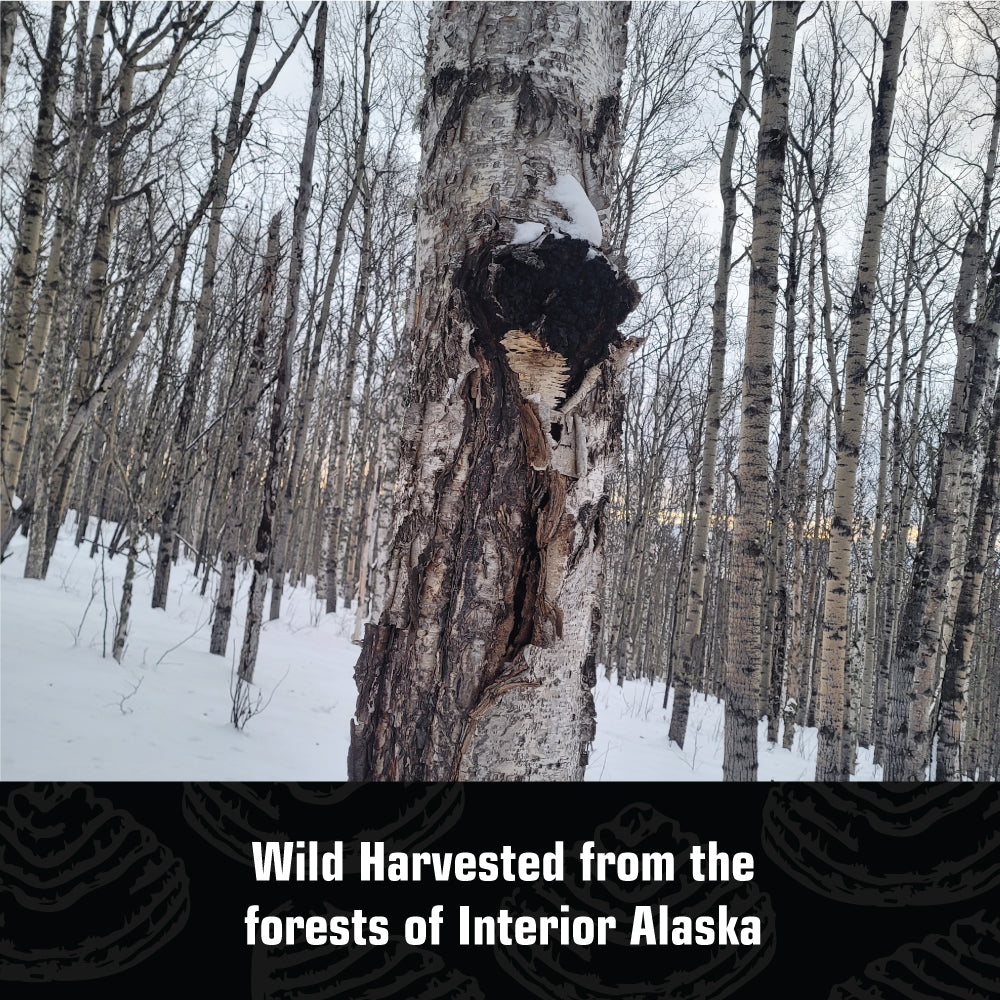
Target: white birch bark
833,663
8,24
929,615
236,506
744,668
477,667
24,266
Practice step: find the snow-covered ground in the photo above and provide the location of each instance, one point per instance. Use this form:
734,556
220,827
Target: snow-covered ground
70,712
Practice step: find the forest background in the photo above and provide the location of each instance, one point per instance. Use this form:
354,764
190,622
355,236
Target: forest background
207,244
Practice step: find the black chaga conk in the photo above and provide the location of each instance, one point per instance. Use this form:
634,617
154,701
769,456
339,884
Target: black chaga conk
563,292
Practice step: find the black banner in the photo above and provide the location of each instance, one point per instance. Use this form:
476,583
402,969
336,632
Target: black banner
873,890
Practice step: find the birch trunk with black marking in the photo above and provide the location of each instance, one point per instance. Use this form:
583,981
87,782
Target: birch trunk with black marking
233,524
24,265
79,145
872,632
743,670
278,436
8,24
929,615
940,566
479,665
305,403
775,630
796,683
135,483
892,714
132,119
833,661
203,312
692,642
335,503
955,685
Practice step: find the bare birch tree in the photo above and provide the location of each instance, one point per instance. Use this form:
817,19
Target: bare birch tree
278,433
238,127
25,264
743,671
830,764
691,643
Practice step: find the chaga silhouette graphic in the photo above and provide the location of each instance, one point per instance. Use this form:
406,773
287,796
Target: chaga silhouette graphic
964,963
231,816
640,972
85,891
396,971
886,845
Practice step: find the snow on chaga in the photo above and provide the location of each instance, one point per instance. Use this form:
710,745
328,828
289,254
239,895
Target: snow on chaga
527,232
583,222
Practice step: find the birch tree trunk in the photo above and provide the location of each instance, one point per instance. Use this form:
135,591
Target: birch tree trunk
8,24
478,666
691,644
749,542
277,442
955,684
833,661
203,312
24,266
335,507
135,481
17,417
131,120
233,524
796,683
305,404
775,632
929,615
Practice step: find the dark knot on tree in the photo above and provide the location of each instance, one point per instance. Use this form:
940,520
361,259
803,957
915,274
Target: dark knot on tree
554,306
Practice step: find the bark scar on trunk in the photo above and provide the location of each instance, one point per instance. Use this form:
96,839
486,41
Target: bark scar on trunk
544,321
544,324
